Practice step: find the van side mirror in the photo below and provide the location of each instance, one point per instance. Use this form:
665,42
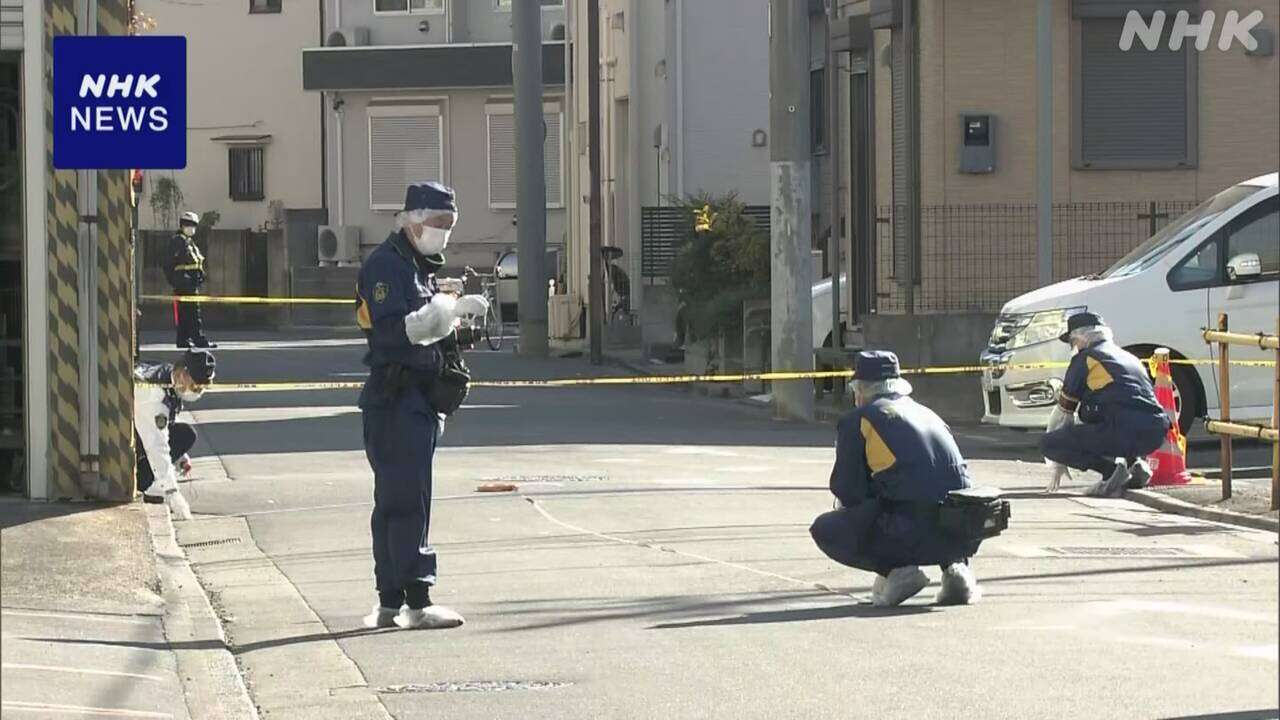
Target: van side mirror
1244,266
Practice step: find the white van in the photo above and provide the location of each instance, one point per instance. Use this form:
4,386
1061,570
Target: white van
1222,257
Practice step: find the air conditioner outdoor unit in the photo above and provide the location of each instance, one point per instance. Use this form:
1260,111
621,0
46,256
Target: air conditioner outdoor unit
338,245
348,37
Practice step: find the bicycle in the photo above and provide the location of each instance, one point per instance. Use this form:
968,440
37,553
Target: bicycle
492,327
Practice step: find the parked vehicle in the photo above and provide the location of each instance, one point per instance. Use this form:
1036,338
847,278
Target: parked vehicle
1222,257
822,310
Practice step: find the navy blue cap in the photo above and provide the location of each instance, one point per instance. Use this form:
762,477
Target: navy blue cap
1080,320
429,196
200,365
877,365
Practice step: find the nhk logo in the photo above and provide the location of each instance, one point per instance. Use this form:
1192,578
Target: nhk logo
1235,29
119,102
104,118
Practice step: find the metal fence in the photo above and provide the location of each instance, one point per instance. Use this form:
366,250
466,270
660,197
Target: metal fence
972,258
975,258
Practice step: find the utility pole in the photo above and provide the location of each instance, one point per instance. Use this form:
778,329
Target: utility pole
790,241
835,241
1044,142
531,188
595,279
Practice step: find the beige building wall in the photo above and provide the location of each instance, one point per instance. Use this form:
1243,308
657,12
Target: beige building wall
244,78
980,56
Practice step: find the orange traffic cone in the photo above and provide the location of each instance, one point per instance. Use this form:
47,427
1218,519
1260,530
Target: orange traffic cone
1169,463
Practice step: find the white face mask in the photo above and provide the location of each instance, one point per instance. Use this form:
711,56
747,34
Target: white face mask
431,241
188,230
190,395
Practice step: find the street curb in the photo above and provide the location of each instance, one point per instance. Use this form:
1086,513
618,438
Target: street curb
1167,504
211,683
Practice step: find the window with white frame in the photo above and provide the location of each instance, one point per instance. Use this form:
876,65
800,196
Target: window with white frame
502,156
408,7
505,5
406,145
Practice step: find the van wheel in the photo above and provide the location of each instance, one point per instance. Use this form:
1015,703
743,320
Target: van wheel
1186,394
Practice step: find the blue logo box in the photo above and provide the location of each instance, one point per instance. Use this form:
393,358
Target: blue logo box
119,103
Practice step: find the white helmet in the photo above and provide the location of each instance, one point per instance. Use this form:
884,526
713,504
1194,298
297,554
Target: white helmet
189,218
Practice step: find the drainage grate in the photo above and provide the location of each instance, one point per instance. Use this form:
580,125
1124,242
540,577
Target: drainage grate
547,478
1128,552
211,543
474,686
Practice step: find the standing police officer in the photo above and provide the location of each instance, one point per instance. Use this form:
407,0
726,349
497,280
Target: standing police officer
185,272
407,321
1120,420
895,462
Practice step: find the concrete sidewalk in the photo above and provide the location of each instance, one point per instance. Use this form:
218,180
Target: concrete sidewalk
102,617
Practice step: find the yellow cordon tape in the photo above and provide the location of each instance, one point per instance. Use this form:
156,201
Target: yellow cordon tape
682,379
234,300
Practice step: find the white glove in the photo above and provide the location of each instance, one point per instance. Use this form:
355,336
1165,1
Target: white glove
476,305
432,321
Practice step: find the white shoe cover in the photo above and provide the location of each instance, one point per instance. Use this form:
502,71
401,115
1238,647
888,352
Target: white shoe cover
431,617
381,617
1117,481
959,586
903,583
877,588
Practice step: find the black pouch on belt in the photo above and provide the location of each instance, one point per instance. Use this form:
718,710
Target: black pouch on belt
974,513
447,391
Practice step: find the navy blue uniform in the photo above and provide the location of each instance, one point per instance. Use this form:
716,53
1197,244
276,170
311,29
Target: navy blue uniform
185,272
1119,415
400,427
895,462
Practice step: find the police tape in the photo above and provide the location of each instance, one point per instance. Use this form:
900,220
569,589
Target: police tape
239,300
689,379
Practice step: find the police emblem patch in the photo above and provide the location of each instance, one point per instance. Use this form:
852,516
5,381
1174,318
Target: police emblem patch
162,422
380,291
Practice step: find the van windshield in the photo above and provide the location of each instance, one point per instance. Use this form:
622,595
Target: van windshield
1172,235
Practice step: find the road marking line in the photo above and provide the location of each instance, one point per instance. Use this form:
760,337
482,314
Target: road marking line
80,710
76,616
79,671
684,553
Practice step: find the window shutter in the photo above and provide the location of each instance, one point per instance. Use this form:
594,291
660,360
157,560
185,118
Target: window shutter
1134,105
502,159
551,160
402,150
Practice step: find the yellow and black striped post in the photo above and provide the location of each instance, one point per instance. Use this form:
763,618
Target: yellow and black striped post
109,475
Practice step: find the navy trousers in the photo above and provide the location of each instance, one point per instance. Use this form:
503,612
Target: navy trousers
400,443
869,538
1122,433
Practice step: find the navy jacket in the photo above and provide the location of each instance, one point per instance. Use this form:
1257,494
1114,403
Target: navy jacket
1105,378
896,450
185,265
394,282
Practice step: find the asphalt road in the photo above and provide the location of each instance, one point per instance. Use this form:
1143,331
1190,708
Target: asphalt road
656,564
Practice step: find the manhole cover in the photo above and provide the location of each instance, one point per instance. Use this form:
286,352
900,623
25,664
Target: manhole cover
518,479
1102,551
211,543
474,686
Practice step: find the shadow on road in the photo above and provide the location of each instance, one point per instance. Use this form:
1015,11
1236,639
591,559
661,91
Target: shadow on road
835,612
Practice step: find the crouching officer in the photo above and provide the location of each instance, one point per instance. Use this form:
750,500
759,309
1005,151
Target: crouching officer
185,272
413,381
161,442
1120,421
896,463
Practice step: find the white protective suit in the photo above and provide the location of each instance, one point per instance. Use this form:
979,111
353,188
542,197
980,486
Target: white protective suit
155,406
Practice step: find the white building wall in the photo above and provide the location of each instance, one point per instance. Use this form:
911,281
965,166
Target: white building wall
244,78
